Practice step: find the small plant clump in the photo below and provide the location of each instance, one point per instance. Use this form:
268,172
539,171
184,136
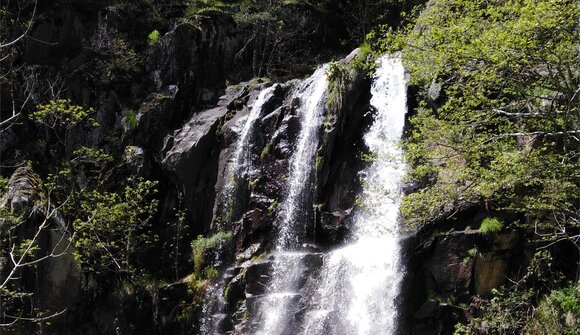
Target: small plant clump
132,119
200,246
491,225
153,37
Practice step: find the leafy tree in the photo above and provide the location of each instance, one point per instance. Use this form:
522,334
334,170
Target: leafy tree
112,227
498,117
496,125
60,116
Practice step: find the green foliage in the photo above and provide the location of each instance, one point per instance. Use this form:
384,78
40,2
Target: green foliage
132,119
273,206
62,113
319,161
513,312
498,133
568,299
265,152
3,184
491,225
95,155
124,61
507,312
341,78
202,244
112,227
153,37
337,76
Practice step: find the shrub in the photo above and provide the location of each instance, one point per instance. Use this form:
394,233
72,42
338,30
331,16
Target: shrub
557,313
62,113
153,37
118,228
200,246
491,225
132,120
568,299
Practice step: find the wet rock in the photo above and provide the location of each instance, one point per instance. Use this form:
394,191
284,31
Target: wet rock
282,142
429,309
187,159
258,276
248,253
449,267
334,227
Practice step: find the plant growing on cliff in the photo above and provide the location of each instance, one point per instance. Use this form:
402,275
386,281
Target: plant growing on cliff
337,76
23,249
124,61
201,245
111,227
502,132
60,116
491,225
153,37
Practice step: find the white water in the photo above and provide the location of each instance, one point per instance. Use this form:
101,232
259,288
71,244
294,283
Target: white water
241,160
312,95
214,303
277,306
360,282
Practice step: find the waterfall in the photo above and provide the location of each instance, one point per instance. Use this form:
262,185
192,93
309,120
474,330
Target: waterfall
312,95
214,304
288,265
359,283
241,160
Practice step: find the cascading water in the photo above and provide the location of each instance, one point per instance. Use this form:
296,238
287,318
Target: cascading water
312,95
281,294
240,161
238,166
360,282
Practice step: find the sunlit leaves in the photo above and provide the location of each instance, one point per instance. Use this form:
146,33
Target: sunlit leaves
497,133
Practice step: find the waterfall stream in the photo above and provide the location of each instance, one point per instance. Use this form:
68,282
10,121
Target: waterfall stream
278,305
360,282
213,307
240,162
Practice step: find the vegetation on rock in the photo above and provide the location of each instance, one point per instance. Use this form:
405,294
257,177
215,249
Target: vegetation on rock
496,126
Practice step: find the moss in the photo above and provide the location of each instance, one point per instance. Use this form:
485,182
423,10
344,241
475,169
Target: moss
338,76
472,252
319,162
265,152
273,206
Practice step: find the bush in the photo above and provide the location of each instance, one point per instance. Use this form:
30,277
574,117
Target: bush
557,313
568,299
490,225
200,246
153,37
118,228
132,120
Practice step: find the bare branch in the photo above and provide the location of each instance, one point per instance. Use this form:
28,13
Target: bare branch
25,32
39,319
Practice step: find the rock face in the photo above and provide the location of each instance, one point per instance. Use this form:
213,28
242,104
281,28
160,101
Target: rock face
456,266
190,158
